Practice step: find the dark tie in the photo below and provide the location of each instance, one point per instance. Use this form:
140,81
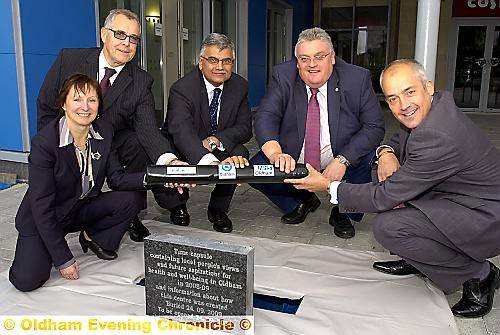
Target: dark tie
105,83
214,105
312,150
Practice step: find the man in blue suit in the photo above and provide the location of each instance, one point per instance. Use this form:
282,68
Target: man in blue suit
320,110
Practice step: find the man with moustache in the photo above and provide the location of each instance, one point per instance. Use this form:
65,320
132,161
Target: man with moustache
208,119
128,105
320,110
438,195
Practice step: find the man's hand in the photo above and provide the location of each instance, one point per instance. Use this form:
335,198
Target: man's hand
179,187
314,182
71,272
237,161
283,161
335,170
387,164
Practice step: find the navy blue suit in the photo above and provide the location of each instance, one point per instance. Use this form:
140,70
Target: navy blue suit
52,206
355,120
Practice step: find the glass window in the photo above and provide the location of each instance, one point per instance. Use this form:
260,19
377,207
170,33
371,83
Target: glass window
358,29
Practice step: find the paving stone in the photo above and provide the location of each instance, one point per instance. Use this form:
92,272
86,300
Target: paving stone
257,231
471,326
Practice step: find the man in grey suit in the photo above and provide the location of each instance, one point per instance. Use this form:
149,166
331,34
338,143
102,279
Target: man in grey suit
438,193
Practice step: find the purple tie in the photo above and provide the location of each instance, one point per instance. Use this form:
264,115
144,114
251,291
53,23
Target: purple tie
312,150
105,83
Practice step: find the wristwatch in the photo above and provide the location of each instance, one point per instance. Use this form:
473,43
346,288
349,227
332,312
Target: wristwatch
211,143
343,160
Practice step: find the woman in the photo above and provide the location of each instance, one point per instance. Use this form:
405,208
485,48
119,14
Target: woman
69,160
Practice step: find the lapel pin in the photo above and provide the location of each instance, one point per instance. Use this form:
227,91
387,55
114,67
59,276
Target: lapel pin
336,89
96,155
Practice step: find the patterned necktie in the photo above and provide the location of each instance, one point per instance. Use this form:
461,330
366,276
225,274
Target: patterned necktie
312,150
105,83
214,105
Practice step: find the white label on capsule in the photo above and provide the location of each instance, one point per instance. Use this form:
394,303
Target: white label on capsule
263,170
181,169
227,172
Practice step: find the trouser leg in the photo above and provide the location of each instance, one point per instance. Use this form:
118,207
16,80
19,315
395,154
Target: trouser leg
106,217
221,196
32,263
410,234
285,196
135,159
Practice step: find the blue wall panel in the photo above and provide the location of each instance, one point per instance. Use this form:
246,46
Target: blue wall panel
10,127
47,27
257,40
7,39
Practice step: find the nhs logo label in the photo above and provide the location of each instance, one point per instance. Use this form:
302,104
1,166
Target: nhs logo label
263,170
227,172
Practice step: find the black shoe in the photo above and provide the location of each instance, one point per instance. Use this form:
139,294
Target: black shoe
96,249
397,268
300,212
477,296
342,226
221,222
179,215
137,230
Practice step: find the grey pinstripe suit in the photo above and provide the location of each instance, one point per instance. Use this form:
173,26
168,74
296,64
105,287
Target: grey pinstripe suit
449,180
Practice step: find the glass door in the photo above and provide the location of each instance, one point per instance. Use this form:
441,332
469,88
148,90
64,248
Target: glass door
279,17
475,78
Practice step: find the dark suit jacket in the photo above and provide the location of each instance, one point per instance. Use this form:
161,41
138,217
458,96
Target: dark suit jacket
450,171
128,104
188,117
355,118
55,185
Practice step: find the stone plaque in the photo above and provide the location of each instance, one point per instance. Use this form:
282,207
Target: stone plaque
189,276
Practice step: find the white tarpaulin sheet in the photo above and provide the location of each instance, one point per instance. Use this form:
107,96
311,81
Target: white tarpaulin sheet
342,293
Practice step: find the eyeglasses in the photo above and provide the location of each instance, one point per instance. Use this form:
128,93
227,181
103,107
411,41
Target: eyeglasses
317,58
122,36
215,60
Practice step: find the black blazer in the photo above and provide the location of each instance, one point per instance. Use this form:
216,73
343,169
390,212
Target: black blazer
355,118
188,117
128,104
55,185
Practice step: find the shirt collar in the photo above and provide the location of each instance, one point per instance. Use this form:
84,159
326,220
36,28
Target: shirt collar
65,136
323,89
211,87
103,63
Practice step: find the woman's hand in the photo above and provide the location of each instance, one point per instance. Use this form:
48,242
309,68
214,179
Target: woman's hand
71,272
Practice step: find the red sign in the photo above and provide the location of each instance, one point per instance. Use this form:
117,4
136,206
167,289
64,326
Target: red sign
476,8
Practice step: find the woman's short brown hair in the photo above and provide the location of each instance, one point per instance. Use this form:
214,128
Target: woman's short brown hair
82,83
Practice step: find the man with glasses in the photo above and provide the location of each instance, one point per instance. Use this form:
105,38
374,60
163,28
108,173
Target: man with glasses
320,110
128,104
208,118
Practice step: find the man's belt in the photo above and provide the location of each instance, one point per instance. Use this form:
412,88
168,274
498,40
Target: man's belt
219,174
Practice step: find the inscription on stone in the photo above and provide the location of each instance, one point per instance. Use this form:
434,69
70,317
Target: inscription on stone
188,276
